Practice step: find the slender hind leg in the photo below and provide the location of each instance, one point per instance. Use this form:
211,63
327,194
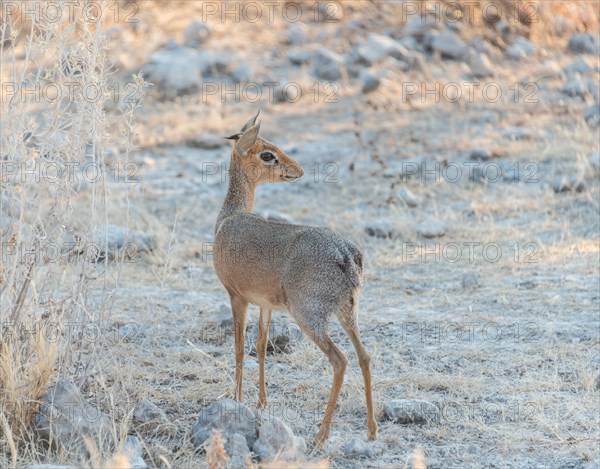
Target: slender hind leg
261,349
364,359
239,308
338,361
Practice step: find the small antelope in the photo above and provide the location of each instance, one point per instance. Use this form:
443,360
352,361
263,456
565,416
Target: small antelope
312,272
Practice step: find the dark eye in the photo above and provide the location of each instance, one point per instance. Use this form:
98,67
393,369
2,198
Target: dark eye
267,156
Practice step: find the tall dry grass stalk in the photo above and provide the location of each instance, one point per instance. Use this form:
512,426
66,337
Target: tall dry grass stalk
55,88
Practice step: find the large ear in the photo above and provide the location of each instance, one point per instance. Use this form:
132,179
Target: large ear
247,140
250,123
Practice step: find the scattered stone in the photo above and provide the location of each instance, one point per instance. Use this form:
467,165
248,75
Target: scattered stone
237,449
357,448
121,242
327,65
417,26
228,416
148,416
196,33
431,229
370,81
584,43
592,115
407,197
406,411
578,66
564,183
381,229
378,47
176,71
480,154
297,34
206,142
65,419
517,133
579,87
277,440
480,65
470,281
242,73
521,48
594,160
597,383
299,56
449,44
129,331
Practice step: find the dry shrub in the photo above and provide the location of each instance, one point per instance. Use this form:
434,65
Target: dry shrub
45,143
216,456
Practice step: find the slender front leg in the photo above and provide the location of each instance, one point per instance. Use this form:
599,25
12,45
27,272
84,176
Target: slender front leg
261,350
239,307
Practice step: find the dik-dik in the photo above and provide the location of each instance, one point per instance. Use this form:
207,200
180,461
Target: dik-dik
312,272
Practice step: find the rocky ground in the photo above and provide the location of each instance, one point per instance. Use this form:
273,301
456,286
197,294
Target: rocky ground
475,205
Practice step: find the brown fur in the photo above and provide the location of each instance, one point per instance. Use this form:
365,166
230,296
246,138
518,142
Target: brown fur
312,272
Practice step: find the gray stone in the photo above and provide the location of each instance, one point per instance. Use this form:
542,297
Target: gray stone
449,44
384,229
327,65
592,115
584,43
579,87
228,416
578,66
562,183
370,81
297,34
597,383
480,65
277,440
470,281
196,33
521,48
242,73
207,141
417,27
237,449
121,242
148,415
480,154
406,411
299,56
65,419
431,229
175,71
594,161
377,47
357,448
407,197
